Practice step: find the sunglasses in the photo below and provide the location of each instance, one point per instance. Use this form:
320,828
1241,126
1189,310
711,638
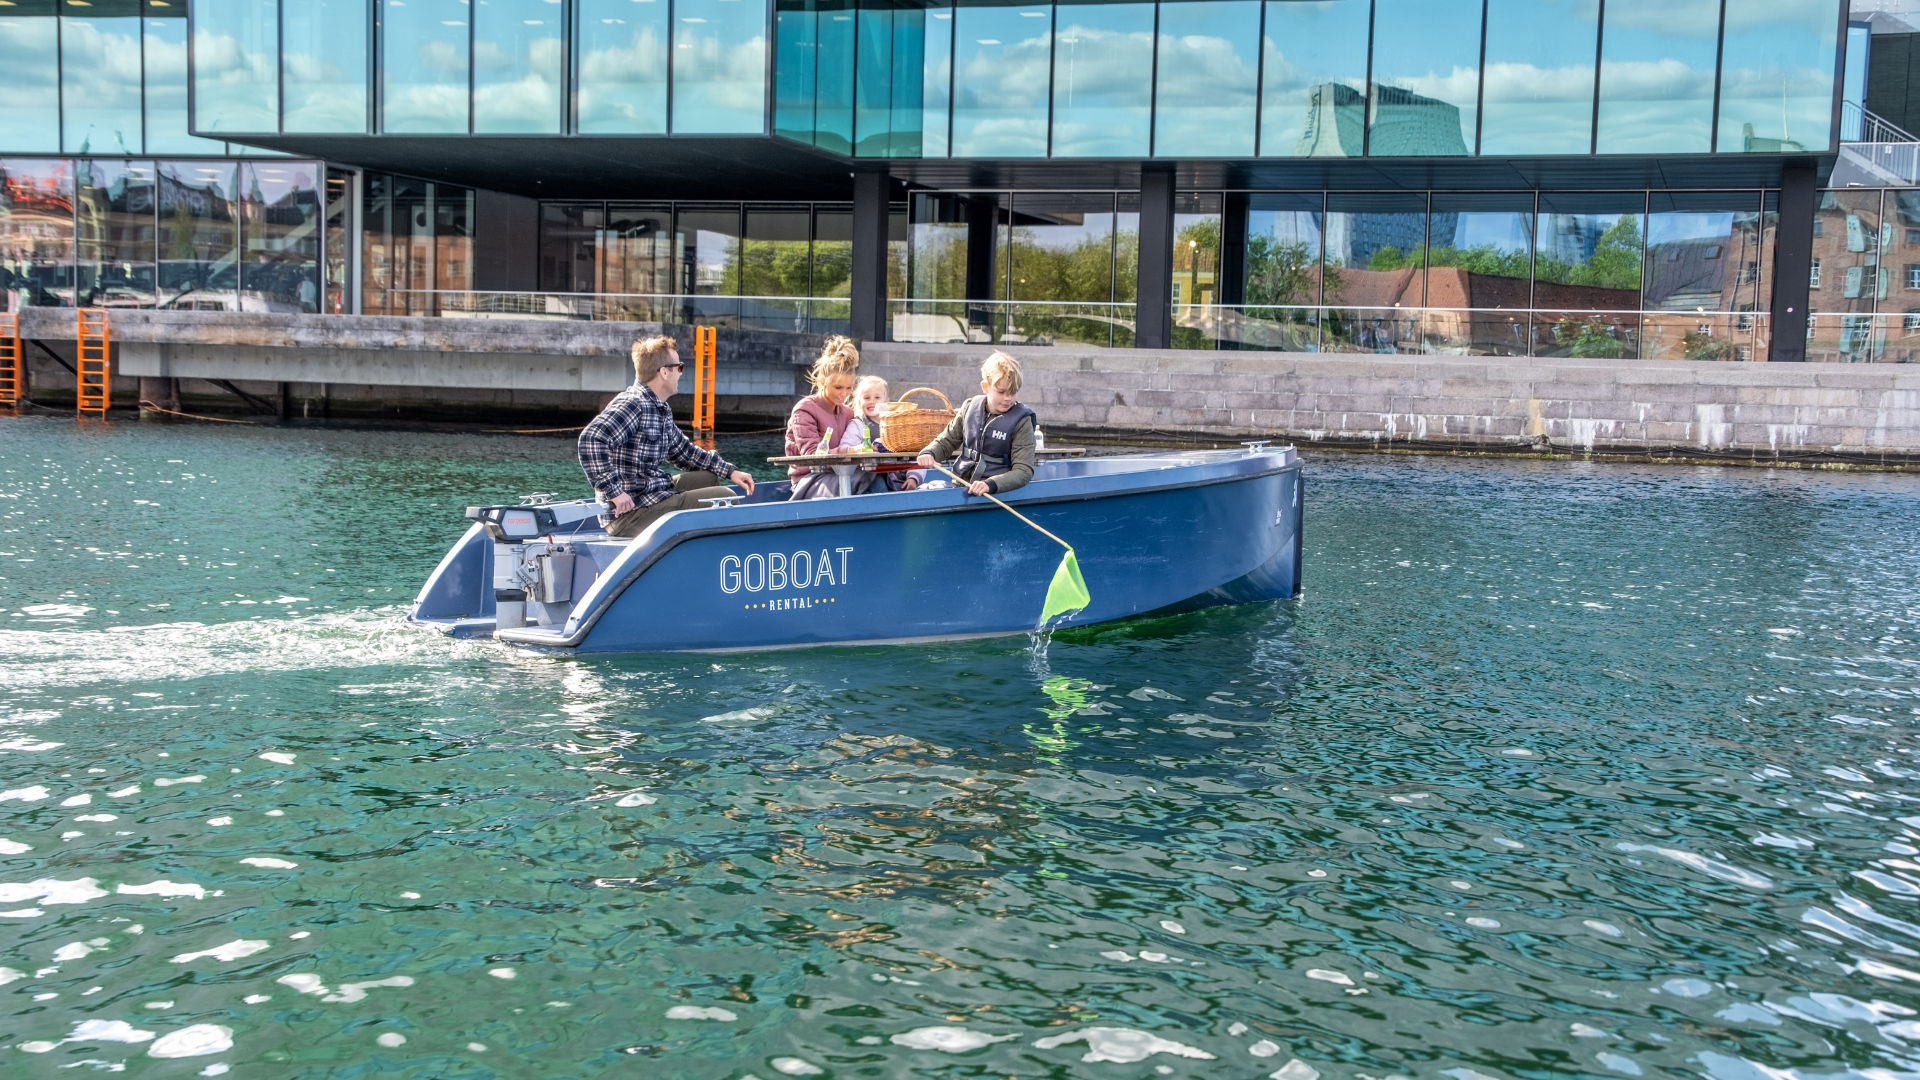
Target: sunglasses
675,366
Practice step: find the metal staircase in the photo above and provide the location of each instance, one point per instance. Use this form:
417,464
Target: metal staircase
1881,154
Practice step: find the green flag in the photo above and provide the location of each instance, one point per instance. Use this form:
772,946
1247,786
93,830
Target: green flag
1068,593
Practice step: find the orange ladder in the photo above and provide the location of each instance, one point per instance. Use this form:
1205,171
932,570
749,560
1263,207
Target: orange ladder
12,360
94,338
705,352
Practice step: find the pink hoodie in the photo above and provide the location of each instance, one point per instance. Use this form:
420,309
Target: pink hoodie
812,416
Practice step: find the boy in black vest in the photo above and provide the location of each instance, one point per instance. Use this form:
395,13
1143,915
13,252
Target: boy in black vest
992,433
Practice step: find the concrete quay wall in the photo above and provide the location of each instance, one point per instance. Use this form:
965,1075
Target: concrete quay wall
1869,414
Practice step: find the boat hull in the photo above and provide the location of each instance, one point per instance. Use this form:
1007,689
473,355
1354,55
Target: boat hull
1189,529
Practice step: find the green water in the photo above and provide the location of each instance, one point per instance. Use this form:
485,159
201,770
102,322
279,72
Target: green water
1555,770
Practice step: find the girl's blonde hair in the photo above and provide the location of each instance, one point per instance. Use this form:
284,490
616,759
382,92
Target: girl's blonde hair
866,381
839,356
999,368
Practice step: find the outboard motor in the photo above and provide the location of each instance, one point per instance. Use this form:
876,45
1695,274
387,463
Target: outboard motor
526,569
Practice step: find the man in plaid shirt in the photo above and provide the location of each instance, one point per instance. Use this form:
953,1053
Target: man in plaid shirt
622,448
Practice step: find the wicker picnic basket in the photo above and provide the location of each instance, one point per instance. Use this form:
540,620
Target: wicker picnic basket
907,428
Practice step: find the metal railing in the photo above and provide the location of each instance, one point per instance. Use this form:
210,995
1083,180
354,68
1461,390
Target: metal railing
1882,150
1689,334
797,314
1861,124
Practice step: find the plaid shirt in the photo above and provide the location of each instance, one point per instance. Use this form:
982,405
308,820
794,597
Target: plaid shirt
622,448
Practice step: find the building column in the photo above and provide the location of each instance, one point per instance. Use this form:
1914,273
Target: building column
1153,313
868,300
1793,262
983,226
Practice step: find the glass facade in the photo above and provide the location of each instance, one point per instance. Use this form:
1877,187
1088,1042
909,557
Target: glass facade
1314,91
1207,78
1865,287
1657,77
719,66
1101,107
1537,96
1777,76
622,60
325,69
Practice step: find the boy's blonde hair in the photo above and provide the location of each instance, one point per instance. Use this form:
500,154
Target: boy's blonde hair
839,356
866,381
997,368
650,355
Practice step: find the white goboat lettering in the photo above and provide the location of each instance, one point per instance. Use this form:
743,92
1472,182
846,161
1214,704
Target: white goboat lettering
779,571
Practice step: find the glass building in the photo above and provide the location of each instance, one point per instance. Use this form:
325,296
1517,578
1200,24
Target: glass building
1523,177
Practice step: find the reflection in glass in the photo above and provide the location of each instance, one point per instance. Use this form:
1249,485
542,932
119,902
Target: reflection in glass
937,252
1426,74
1315,80
832,253
1479,249
452,237
1207,79
720,66
638,248
623,67
936,81
1374,265
324,66
164,39
199,236
1897,330
1587,269
516,66
709,258
30,92
1284,268
907,74
337,285
280,234
833,98
570,247
775,257
236,68
796,48
1847,244
1101,105
36,232
873,85
1705,255
1196,270
99,78
424,66
376,238
115,235
1656,76
412,267
1538,97
1000,81
1061,250
1778,68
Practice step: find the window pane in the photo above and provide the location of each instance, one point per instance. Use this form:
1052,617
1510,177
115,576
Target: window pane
1587,274
833,93
339,216
1705,250
937,253
115,244
1373,267
569,247
832,252
1777,75
1478,251
36,230
1208,78
1316,79
1656,76
165,43
236,65
1000,81
908,95
873,87
1101,105
1846,251
280,217
638,248
325,65
776,259
936,87
720,66
623,67
376,236
1283,249
100,81
452,237
412,267
424,66
30,93
199,236
516,66
1426,74
709,240
1196,270
796,48
1538,97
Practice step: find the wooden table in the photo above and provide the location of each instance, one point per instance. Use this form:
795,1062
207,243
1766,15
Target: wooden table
846,463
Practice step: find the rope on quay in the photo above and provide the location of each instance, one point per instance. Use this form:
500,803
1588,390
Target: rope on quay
151,407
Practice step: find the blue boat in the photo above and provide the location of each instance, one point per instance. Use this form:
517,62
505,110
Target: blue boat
1154,532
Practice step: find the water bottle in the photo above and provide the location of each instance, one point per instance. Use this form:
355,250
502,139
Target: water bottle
866,437
826,443
1039,439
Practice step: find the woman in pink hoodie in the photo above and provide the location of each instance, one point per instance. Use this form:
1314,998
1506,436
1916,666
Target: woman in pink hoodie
823,416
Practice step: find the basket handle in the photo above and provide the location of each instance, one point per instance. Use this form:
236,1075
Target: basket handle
944,403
